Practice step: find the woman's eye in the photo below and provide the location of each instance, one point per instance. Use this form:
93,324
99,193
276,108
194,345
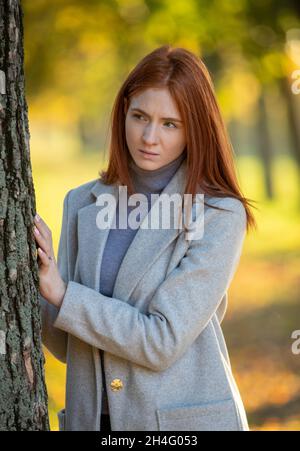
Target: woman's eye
137,115
172,124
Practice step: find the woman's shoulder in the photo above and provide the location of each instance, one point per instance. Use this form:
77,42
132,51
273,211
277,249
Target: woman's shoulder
227,202
229,209
83,194
85,187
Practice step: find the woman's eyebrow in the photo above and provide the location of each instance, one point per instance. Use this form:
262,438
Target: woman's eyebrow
163,118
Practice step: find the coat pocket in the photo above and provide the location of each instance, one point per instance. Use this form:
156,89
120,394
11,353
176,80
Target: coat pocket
61,419
213,416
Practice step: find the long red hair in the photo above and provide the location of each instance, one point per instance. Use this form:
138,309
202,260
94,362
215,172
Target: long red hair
210,156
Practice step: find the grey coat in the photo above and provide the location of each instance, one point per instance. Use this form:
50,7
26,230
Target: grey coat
165,359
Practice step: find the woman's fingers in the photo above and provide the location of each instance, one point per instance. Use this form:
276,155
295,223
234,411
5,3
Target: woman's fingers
43,237
44,257
42,227
43,242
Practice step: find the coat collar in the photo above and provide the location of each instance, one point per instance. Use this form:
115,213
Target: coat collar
144,249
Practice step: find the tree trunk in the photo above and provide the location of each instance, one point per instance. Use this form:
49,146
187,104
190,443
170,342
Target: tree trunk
293,120
264,146
23,394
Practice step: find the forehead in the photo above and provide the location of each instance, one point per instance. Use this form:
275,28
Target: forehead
155,99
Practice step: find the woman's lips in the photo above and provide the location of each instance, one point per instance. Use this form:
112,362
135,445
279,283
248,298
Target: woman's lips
148,154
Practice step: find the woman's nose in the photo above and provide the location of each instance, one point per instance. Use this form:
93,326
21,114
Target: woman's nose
151,134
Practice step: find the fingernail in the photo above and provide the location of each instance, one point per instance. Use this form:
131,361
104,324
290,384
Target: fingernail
36,230
37,218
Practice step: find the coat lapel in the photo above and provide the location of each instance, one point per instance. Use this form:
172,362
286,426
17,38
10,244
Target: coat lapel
144,249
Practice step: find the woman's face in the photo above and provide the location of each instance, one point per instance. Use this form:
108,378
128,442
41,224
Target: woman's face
153,124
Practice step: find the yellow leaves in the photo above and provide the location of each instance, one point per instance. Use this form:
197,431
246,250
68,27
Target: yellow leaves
267,383
133,10
70,18
55,373
292,47
238,92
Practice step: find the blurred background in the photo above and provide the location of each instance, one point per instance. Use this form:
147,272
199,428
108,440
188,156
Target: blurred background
77,54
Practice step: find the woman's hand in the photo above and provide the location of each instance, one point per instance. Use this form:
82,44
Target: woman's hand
52,287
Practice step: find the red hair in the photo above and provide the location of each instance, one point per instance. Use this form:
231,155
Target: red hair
210,161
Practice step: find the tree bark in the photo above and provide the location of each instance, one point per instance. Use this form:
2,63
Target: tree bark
23,394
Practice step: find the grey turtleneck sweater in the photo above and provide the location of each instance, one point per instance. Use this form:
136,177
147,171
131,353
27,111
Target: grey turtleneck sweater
146,182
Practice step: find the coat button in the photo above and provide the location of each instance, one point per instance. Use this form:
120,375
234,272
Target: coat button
116,385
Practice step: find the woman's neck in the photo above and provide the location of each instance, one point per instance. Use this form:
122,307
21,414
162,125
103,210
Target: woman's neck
154,181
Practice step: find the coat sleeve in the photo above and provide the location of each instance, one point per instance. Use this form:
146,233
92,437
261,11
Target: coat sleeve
180,308
54,339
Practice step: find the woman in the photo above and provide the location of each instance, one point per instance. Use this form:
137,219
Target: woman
135,311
